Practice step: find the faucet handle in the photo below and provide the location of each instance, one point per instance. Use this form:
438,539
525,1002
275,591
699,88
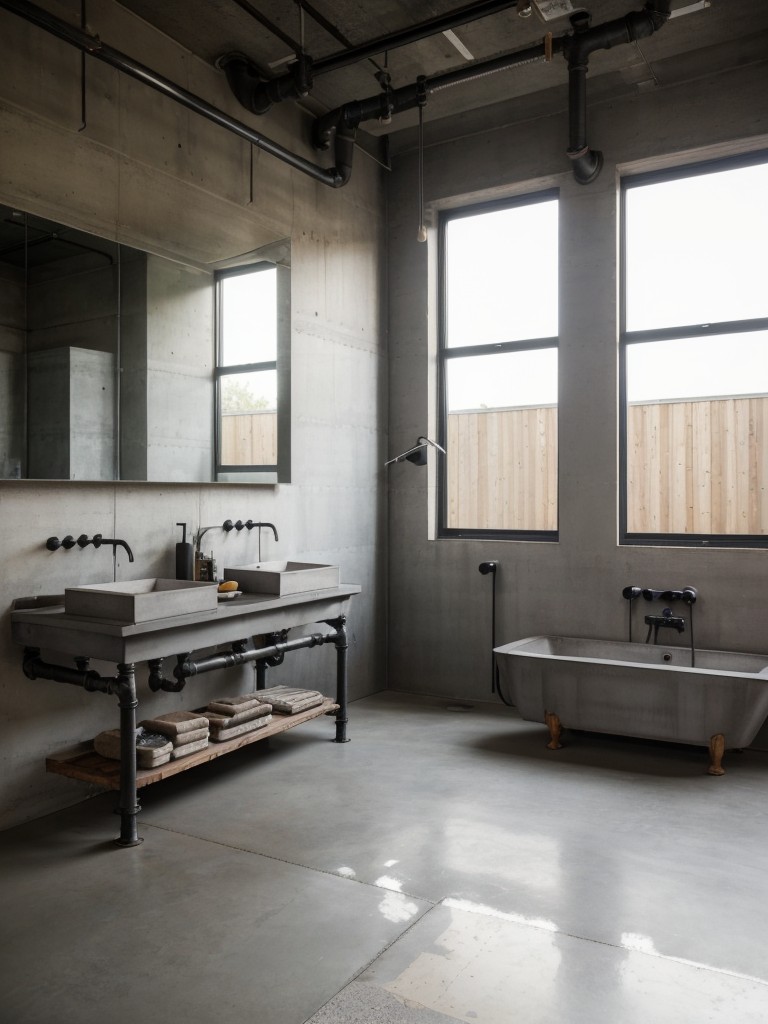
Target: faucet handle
227,526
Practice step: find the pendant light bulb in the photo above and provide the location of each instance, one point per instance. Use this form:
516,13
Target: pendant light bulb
421,235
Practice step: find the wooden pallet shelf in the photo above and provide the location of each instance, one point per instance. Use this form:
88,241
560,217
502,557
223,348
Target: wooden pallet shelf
85,764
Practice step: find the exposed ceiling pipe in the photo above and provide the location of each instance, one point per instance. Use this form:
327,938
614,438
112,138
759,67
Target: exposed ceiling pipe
431,27
258,94
577,48
335,177
394,101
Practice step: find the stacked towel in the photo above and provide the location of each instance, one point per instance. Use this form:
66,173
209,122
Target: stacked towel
152,748
235,716
288,700
186,730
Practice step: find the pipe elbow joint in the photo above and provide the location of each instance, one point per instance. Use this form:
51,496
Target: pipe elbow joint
345,151
587,164
245,82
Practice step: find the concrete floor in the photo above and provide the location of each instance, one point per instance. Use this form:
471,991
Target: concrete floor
444,865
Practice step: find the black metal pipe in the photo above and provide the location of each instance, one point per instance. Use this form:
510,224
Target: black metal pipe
129,802
34,667
340,642
394,101
412,34
577,48
93,46
258,94
188,666
124,687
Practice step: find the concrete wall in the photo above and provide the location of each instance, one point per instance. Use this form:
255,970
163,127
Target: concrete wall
572,587
147,173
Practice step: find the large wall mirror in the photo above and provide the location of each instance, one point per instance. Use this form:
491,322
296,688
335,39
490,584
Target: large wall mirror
109,367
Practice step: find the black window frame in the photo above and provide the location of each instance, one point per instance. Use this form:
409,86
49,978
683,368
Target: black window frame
627,338
446,353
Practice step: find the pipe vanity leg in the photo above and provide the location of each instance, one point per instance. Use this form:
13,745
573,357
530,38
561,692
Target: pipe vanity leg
716,751
555,729
261,674
128,806
341,645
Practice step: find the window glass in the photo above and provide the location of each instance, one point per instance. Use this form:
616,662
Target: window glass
501,462
695,249
248,318
501,275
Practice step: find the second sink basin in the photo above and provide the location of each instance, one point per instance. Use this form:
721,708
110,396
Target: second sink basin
283,578
140,600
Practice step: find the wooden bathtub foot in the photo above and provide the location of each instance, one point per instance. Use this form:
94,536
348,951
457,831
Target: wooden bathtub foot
555,729
716,751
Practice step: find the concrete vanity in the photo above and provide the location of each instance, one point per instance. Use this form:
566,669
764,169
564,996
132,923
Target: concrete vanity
256,628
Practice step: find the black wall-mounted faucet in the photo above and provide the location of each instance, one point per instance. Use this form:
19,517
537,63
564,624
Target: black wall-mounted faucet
53,543
250,525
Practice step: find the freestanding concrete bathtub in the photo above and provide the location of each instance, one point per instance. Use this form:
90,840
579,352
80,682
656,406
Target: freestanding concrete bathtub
634,689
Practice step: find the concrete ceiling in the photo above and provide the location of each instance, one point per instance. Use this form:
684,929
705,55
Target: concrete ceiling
726,34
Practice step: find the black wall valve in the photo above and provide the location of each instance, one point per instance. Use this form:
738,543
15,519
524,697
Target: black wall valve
486,567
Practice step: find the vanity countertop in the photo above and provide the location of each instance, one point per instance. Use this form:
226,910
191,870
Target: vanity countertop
49,626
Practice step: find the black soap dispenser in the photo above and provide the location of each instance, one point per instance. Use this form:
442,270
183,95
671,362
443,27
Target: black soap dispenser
184,561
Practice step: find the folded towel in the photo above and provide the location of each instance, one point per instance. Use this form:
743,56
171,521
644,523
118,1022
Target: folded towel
175,722
225,721
189,748
152,749
219,733
232,705
190,736
289,700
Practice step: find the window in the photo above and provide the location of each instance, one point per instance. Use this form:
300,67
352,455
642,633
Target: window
252,363
694,355
498,369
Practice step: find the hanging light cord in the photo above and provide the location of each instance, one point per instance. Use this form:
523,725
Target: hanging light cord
421,235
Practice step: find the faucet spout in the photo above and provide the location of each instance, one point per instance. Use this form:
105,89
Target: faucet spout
115,542
249,523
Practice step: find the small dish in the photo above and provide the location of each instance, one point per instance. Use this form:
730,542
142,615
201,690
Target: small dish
230,595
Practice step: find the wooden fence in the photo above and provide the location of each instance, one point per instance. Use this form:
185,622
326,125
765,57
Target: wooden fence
692,467
502,469
698,467
249,439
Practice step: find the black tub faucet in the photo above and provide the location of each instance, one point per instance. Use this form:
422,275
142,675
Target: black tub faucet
664,621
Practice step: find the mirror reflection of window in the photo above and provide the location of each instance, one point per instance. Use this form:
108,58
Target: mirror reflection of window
247,370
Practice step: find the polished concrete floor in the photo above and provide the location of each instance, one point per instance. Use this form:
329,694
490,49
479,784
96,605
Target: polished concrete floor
442,866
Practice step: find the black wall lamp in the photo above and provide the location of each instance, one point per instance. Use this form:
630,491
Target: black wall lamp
418,454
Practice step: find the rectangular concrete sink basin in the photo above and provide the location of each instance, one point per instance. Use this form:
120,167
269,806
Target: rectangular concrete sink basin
283,578
140,600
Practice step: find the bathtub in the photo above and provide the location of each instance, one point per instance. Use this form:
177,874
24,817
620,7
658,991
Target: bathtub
641,690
